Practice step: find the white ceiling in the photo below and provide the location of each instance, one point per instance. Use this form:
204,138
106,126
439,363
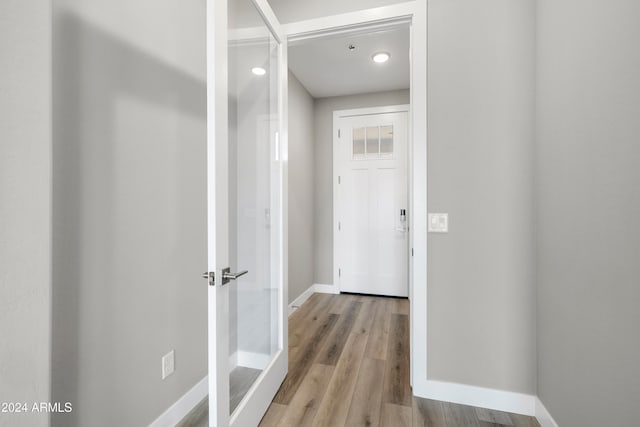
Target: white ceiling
326,67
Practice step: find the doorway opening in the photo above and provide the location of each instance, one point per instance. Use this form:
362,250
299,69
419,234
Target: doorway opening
361,240
352,114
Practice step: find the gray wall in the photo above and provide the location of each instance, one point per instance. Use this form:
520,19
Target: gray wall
588,175
481,289
301,191
323,175
25,206
129,207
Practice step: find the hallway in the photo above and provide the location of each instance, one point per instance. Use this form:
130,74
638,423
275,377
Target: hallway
349,366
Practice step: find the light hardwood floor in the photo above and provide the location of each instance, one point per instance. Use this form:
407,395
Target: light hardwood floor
349,366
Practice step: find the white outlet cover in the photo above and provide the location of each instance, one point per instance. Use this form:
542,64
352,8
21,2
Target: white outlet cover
438,223
168,364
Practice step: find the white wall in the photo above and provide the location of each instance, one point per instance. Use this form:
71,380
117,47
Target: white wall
25,207
481,277
588,157
323,165
301,188
129,207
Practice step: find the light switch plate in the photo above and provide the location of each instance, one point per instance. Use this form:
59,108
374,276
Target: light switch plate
438,223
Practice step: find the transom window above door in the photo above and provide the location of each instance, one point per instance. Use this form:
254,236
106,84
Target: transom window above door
374,142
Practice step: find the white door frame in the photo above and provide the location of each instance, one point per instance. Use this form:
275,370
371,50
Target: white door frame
340,114
415,14
217,219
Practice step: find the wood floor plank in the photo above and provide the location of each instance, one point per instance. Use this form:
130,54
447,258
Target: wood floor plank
337,399
379,335
332,349
491,416
524,421
367,396
396,380
375,352
307,317
304,405
364,321
428,413
340,303
396,416
273,416
198,417
309,304
459,415
299,367
401,306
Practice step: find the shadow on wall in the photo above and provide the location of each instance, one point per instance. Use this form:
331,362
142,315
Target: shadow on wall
129,211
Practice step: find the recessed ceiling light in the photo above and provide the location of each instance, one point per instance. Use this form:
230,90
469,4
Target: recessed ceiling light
258,71
380,57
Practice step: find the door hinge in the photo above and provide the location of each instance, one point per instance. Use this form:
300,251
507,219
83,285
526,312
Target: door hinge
339,273
338,133
411,251
339,226
339,179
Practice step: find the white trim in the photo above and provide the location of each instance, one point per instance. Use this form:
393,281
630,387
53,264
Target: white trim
325,289
517,403
183,406
418,199
269,18
543,416
386,109
252,360
302,298
367,19
233,361
217,162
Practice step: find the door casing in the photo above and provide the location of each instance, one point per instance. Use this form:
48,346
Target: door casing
414,14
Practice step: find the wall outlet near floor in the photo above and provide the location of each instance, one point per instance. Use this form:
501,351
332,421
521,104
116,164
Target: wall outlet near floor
168,364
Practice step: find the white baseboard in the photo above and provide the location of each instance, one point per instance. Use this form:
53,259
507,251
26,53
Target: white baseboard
253,360
233,360
184,405
498,400
543,416
325,289
296,303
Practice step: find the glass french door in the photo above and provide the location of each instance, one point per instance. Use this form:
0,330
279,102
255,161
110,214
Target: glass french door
247,176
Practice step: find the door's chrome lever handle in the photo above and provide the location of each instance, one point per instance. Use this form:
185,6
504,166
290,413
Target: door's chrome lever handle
227,276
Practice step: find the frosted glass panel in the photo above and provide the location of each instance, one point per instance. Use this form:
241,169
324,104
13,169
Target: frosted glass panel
386,141
358,143
254,199
373,145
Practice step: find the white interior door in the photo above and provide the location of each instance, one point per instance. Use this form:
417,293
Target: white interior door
371,203
247,176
